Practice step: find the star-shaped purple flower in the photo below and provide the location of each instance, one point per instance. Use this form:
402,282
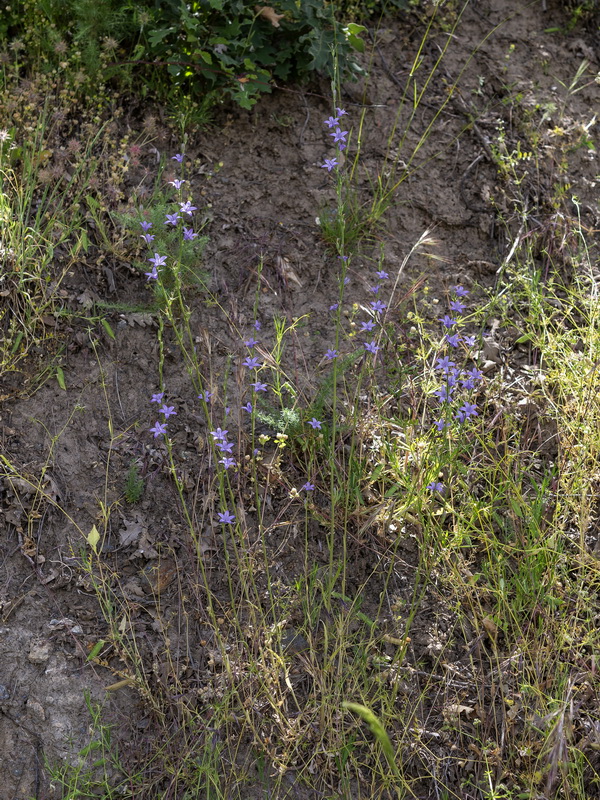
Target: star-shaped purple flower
189,235
158,429
157,398
168,411
330,163
372,347
259,387
177,157
145,225
187,208
219,434
378,306
339,136
177,183
158,261
227,462
252,363
226,517
331,354
308,486
314,423
172,219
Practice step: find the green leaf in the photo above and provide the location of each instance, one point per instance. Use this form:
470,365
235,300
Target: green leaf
96,650
93,538
157,36
60,377
107,328
377,730
353,32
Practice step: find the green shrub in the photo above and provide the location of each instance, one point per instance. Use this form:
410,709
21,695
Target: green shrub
233,47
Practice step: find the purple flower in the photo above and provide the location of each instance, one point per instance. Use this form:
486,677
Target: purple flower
189,235
367,326
329,164
177,157
445,364
341,112
159,428
468,383
251,342
332,122
339,135
227,410
252,363
145,225
475,374
187,208
308,486
219,434
225,517
440,425
454,340
469,341
459,291
227,462
469,410
168,411
248,407
334,306
259,387
444,393
172,219
257,325
152,276
452,377
157,398
447,321
458,306
435,486
148,238
225,447
158,261
374,289
378,306
382,274
177,183
314,423
331,354
371,346
206,395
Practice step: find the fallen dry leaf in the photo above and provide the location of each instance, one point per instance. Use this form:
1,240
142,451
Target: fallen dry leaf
268,13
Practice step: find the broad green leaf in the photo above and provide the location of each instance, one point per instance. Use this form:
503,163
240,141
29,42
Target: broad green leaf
60,377
93,538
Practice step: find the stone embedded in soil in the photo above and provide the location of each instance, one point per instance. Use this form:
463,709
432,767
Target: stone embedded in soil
39,652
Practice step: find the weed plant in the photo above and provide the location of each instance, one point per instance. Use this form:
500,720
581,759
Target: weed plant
405,477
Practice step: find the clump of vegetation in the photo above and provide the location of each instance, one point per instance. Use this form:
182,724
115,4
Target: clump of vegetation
322,507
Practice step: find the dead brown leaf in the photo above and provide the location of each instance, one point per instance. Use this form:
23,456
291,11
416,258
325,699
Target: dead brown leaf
268,13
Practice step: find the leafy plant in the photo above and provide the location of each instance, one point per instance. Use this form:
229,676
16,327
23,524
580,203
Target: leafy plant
134,484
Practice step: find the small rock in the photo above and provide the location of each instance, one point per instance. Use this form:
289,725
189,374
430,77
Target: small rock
36,710
39,652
